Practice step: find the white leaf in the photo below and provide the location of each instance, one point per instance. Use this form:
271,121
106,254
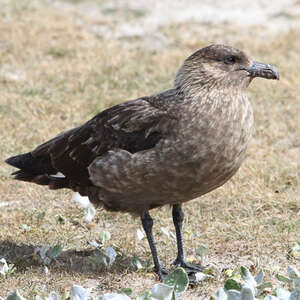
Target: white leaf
82,201
220,295
11,73
251,287
43,250
106,258
105,236
201,276
259,277
233,295
247,293
248,278
295,251
43,254
165,231
47,254
296,284
296,247
9,203
89,214
94,244
3,266
139,234
293,272
54,251
136,262
52,296
295,295
25,227
15,296
100,258
46,270
111,254
161,291
202,251
282,294
80,293
270,297
113,296
172,235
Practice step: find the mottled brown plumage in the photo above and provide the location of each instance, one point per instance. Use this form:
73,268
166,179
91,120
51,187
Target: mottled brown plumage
168,148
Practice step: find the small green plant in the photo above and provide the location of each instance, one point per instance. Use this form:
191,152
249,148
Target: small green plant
89,214
14,296
174,285
47,253
243,286
139,234
104,258
136,262
105,236
240,285
84,202
3,267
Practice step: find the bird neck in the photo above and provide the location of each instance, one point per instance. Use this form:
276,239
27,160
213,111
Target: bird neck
213,93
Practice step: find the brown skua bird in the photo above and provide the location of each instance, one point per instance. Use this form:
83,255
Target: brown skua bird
168,148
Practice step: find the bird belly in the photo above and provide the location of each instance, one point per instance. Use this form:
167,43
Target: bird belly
138,182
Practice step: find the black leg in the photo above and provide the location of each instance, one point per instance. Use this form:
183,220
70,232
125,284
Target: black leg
147,222
178,216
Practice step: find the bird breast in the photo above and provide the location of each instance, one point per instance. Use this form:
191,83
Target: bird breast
211,140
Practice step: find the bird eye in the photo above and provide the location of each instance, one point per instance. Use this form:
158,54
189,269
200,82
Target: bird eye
230,59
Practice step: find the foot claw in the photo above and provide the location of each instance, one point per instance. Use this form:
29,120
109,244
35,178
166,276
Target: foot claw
162,274
193,278
189,268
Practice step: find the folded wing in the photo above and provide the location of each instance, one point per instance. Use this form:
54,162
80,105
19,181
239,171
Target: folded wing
63,161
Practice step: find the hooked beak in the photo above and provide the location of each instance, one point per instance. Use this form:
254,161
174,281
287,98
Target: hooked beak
259,69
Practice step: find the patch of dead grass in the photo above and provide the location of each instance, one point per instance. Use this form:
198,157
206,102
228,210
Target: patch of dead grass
70,74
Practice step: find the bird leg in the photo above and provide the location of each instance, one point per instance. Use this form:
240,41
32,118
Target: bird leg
147,223
180,261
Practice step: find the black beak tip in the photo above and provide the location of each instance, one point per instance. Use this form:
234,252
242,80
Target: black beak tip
263,70
274,74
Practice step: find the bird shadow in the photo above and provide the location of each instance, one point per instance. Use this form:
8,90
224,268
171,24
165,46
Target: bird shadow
23,257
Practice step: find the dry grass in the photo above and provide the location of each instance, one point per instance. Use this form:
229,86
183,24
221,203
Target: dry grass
55,74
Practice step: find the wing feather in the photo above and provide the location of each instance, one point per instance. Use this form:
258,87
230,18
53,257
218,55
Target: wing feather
131,126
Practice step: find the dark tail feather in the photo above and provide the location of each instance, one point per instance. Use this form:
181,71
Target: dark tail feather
45,179
20,161
30,165
21,175
37,170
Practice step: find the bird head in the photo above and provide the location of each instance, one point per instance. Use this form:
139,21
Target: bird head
220,66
